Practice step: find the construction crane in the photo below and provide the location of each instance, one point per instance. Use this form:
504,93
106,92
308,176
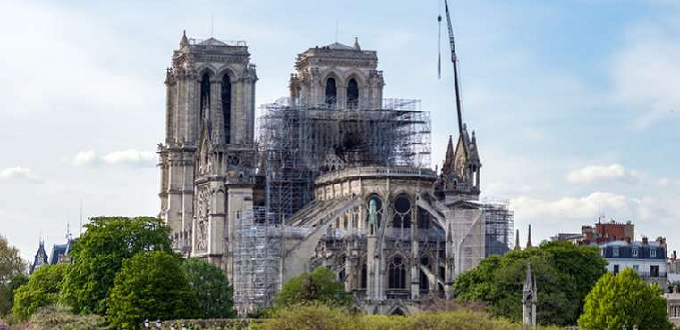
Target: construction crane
454,60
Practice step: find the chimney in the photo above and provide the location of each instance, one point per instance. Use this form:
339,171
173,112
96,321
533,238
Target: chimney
675,255
645,240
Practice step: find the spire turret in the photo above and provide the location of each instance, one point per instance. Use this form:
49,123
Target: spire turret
529,238
517,246
448,166
184,41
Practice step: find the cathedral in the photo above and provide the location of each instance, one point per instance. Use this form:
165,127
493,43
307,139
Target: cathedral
334,175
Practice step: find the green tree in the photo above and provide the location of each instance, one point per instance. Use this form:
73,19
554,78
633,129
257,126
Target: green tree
150,285
318,286
41,290
12,275
7,292
624,301
99,253
11,264
211,286
565,274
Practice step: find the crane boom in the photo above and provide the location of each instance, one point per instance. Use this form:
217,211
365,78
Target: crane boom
454,60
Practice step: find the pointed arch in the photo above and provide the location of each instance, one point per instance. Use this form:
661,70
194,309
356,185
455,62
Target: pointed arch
331,91
352,94
397,272
204,95
226,96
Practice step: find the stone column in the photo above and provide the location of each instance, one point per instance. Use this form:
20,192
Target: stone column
415,261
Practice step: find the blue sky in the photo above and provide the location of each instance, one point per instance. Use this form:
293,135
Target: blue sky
575,103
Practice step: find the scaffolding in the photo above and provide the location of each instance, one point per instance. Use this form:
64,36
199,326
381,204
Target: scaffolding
256,260
499,227
299,142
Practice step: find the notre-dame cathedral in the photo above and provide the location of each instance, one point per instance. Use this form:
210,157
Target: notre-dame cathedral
335,175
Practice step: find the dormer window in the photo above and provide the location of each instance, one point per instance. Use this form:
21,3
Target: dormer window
635,252
652,253
615,252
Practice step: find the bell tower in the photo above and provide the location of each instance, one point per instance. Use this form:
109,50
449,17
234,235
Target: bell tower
337,76
210,112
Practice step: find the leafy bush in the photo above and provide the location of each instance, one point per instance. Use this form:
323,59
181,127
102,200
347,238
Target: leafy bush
322,317
150,285
41,290
60,318
318,286
211,286
308,317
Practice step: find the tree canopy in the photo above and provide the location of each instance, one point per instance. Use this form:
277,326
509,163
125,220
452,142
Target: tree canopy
150,285
564,272
7,292
98,255
624,301
42,289
11,264
212,288
318,286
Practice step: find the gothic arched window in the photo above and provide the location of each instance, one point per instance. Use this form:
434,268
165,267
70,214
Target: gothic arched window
402,212
331,91
397,273
226,107
352,94
205,95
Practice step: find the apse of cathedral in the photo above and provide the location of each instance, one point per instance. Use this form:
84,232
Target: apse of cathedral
335,176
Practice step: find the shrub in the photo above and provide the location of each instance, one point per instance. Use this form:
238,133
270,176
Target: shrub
60,318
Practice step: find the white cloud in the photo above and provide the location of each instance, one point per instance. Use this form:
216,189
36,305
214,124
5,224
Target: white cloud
130,157
19,173
84,158
594,173
577,207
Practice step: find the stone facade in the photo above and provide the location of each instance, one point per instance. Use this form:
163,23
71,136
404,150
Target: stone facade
207,158
394,235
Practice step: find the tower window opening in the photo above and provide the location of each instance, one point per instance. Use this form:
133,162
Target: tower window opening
331,91
226,107
205,95
352,94
364,276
